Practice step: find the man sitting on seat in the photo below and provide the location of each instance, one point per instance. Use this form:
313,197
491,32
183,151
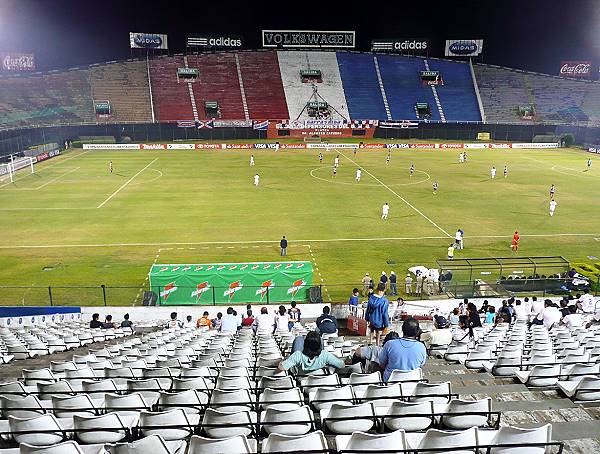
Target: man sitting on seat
441,334
405,353
326,323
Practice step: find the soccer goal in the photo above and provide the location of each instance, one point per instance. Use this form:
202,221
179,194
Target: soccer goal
8,170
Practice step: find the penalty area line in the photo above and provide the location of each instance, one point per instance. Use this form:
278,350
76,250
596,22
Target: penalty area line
398,195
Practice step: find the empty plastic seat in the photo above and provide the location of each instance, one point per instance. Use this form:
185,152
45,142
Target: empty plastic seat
325,397
345,418
235,445
21,406
190,400
314,441
69,406
43,430
296,421
173,424
438,392
219,424
153,444
281,399
444,439
108,428
461,422
514,435
409,416
231,401
360,441
68,447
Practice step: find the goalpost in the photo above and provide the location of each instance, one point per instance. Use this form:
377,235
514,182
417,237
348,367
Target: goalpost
8,170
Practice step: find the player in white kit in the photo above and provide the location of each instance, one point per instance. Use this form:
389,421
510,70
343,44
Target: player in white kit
505,171
589,164
336,161
358,175
385,209
251,160
493,172
256,179
552,206
461,158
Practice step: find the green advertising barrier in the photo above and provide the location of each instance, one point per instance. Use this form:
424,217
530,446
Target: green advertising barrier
231,283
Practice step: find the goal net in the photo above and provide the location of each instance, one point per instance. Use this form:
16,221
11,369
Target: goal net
21,165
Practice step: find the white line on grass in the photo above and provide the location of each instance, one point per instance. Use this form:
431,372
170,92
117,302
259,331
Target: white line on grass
257,243
312,256
397,195
47,167
126,183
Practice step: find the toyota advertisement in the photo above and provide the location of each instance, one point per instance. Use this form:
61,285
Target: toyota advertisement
463,47
580,69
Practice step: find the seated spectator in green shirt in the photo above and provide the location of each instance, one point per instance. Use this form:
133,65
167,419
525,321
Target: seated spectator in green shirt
311,358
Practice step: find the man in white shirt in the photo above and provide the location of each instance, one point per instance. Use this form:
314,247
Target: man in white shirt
264,322
458,239
358,175
493,172
385,209
536,306
549,316
441,334
586,303
229,322
521,311
251,160
573,319
256,180
552,206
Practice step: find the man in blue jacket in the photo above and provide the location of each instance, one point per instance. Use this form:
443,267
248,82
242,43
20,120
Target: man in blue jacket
377,312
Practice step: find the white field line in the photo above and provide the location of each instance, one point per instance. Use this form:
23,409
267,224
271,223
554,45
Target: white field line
126,183
46,167
398,195
312,257
256,243
49,181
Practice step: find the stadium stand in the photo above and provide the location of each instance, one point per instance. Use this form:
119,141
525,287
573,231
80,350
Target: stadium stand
171,98
297,94
457,94
556,100
218,81
403,86
361,86
263,87
46,99
125,86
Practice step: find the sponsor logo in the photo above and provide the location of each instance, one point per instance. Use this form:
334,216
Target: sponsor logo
451,145
575,68
463,47
239,145
296,287
307,38
111,146
421,145
264,288
167,290
500,145
201,288
153,146
17,62
180,146
397,145
399,45
233,288
595,149
213,146
214,41
148,41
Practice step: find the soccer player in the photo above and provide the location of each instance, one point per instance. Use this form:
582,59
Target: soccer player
110,167
553,204
464,156
387,159
251,160
589,164
493,172
256,180
435,187
412,169
461,158
334,171
385,209
552,191
505,171
358,175
336,161
515,241
321,158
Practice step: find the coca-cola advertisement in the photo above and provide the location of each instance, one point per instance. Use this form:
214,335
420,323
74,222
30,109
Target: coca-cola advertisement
12,61
575,69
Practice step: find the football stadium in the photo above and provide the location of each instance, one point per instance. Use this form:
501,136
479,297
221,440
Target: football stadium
278,232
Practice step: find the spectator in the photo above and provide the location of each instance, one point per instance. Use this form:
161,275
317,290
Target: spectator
454,318
474,320
419,280
564,309
366,281
400,309
439,335
384,280
451,252
368,356
353,302
95,323
536,306
377,313
264,323
229,323
393,284
295,314
504,309
282,320
484,307
464,333
188,322
490,315
173,322
326,323
312,357
549,315
404,353
204,321
217,322
573,319
586,303
429,284
126,323
108,323
283,244
408,281
521,312
248,320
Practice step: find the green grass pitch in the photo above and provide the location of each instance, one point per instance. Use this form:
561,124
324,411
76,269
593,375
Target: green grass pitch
74,223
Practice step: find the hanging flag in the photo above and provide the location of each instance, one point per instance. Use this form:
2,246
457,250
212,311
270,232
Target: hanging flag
204,124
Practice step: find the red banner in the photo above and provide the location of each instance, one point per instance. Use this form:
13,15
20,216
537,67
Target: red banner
575,68
13,61
154,146
214,146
